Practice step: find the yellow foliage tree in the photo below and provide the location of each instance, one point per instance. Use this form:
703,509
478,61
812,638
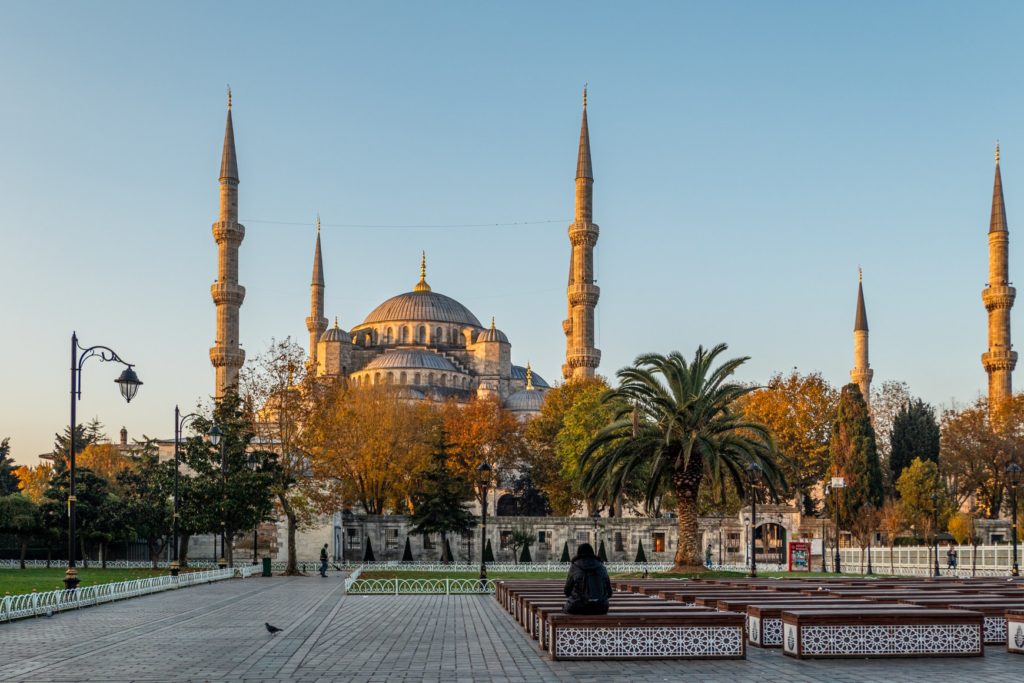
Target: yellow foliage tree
480,431
33,481
104,460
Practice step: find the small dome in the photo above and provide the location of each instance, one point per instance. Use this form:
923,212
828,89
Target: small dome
525,401
414,359
492,334
335,334
519,374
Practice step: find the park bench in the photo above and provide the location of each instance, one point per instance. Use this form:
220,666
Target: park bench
764,620
531,621
543,612
694,635
993,608
1015,631
888,632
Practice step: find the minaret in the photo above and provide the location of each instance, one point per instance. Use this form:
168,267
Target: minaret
862,373
581,355
998,297
226,355
316,323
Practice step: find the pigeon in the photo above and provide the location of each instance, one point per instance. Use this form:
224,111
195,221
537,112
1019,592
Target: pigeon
336,567
272,629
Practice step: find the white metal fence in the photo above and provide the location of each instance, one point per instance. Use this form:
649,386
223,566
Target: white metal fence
45,604
992,560
275,565
507,567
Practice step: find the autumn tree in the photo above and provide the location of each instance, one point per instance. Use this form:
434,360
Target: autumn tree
367,445
105,460
964,529
483,431
8,480
915,434
33,481
798,410
923,496
892,521
853,455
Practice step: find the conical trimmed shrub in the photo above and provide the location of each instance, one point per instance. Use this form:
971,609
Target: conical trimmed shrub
407,555
525,555
368,553
565,553
640,555
446,553
601,554
488,553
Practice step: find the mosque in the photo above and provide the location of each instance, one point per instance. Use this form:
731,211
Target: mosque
425,343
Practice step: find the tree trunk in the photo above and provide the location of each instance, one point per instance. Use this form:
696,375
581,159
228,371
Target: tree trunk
686,483
229,551
289,512
24,551
85,557
49,556
155,546
183,550
103,554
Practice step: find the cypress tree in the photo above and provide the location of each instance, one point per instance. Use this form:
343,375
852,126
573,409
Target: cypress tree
854,455
601,554
446,554
525,555
368,553
640,555
565,553
438,502
407,555
915,434
488,553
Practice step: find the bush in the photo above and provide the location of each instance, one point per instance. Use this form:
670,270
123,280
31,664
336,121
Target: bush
488,553
565,553
368,553
407,555
525,555
640,555
601,554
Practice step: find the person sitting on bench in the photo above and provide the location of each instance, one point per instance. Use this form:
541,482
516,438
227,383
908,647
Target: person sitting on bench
588,587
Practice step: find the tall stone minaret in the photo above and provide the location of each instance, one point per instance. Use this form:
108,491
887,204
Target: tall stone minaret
316,323
581,355
226,354
862,373
998,297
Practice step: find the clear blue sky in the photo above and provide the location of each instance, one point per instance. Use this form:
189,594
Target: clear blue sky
748,156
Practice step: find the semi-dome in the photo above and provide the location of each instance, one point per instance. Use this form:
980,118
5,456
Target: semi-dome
411,359
422,306
525,401
519,373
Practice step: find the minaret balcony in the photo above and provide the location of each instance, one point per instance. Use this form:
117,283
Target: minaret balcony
999,359
228,231
227,293
222,356
998,297
583,358
583,234
584,295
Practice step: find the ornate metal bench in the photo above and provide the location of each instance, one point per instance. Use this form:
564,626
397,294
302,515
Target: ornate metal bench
827,633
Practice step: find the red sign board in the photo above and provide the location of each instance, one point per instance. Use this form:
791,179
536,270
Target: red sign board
799,556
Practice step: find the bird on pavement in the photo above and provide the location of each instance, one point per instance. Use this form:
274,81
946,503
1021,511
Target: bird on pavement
272,629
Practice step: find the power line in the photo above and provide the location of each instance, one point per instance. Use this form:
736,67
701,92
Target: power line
425,225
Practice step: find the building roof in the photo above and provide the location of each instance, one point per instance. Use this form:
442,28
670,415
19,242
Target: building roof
492,334
860,323
411,359
583,166
526,400
998,221
423,306
228,159
334,334
519,373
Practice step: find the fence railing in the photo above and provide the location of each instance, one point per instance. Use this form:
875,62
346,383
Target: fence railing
275,565
508,567
420,586
44,604
991,560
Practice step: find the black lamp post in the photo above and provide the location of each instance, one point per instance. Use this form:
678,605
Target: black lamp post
935,530
869,510
838,484
256,529
216,438
179,427
129,384
483,479
753,475
1013,478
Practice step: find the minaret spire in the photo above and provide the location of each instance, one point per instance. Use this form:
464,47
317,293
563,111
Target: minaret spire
998,296
581,355
862,373
316,323
227,355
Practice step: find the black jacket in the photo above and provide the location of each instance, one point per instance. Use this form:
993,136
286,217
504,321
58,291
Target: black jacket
575,585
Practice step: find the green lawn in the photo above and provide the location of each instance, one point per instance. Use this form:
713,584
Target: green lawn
16,581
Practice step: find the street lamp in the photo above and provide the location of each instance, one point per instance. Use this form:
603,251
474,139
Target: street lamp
179,426
753,474
838,483
869,511
128,382
256,529
935,530
1013,476
216,439
483,480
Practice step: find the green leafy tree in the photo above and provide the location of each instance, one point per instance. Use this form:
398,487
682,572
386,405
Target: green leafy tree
915,434
20,517
92,496
8,480
524,557
923,495
83,438
854,456
520,538
438,503
147,499
681,418
237,496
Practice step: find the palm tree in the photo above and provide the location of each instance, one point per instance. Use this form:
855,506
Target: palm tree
679,420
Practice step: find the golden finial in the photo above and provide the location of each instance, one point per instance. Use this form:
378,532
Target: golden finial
229,97
422,285
997,151
529,377
492,322
335,322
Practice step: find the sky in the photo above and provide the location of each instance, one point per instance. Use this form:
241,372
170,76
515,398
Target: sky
748,157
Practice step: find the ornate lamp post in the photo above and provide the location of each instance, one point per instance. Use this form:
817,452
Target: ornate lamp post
129,384
935,531
838,484
753,475
179,427
216,438
869,510
483,480
1013,478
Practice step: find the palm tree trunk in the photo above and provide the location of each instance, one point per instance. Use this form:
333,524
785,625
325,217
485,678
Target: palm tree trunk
686,483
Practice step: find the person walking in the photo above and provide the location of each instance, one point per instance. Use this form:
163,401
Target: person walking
323,561
587,588
951,557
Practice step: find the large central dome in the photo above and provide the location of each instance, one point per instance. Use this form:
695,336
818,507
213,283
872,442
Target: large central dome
422,305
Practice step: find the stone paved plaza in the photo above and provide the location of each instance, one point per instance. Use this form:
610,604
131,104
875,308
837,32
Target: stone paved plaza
215,633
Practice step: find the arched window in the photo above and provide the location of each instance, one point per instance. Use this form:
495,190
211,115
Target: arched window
387,336
421,335
401,377
444,379
376,378
391,377
430,379
416,379
405,334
